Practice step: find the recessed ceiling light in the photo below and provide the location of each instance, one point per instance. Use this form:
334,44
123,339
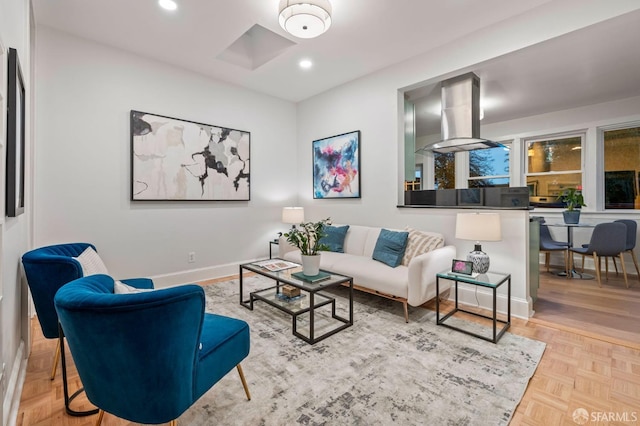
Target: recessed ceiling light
168,4
306,64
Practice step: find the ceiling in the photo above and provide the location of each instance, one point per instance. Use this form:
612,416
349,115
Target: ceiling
596,64
365,35
592,65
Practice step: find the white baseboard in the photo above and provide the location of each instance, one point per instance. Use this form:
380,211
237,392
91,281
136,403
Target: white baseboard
11,403
195,275
480,297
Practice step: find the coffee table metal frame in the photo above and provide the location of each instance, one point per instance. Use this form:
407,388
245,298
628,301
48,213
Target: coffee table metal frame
312,290
491,280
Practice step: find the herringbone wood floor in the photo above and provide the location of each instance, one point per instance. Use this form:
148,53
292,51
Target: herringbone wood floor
581,368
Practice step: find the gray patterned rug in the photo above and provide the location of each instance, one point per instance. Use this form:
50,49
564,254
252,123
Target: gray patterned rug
381,371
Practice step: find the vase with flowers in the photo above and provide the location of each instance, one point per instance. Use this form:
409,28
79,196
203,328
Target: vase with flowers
306,237
573,199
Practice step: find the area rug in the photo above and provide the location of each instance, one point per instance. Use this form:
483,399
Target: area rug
380,371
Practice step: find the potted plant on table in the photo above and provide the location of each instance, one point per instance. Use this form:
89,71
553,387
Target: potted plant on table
574,199
306,237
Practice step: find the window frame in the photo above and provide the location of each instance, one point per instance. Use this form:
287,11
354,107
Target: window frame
509,176
601,168
579,133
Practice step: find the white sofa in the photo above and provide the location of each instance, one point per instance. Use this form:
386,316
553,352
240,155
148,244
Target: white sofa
414,284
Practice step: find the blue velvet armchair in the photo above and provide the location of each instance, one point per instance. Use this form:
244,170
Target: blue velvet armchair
47,269
147,356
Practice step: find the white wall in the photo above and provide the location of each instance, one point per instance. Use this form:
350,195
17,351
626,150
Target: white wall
82,162
374,105
14,232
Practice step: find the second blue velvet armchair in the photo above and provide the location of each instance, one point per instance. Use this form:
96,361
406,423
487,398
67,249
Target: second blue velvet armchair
147,356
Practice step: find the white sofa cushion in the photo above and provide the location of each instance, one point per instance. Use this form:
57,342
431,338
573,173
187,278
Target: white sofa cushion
356,239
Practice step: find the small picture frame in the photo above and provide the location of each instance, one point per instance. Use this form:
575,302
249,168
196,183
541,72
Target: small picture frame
462,267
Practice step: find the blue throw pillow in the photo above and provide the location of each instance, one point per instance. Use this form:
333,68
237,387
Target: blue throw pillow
390,247
335,237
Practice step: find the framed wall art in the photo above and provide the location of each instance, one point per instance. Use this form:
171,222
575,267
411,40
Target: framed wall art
14,194
336,166
180,160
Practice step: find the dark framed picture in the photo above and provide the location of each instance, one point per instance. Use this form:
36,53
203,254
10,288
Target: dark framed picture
336,166
180,160
15,137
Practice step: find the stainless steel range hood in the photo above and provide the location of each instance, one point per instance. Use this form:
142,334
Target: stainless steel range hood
460,126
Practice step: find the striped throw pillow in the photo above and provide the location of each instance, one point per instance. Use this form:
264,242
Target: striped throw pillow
420,242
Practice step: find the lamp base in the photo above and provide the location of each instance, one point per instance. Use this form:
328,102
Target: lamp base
479,259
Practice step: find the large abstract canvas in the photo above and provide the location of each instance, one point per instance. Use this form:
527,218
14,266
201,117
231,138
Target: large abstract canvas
336,166
175,159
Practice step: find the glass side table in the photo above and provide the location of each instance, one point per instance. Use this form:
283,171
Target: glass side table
491,280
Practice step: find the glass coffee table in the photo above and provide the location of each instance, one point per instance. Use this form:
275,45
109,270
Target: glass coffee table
310,299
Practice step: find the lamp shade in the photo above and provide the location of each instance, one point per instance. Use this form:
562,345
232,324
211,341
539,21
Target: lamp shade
305,18
478,226
293,215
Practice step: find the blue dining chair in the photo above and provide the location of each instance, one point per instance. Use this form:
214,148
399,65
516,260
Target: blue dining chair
548,244
630,246
47,269
147,356
607,240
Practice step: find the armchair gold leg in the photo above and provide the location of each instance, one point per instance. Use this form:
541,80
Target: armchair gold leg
56,358
244,382
173,422
100,416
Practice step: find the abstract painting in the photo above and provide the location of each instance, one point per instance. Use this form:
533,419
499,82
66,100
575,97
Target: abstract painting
174,159
336,166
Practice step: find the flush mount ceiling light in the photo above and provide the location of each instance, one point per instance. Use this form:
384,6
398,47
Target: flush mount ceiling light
305,18
168,4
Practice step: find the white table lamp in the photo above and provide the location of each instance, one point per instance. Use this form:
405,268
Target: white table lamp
293,215
478,227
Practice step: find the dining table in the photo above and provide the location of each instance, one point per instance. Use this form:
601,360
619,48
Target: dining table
570,227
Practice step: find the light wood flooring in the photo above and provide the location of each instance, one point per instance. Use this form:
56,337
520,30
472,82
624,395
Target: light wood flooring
592,361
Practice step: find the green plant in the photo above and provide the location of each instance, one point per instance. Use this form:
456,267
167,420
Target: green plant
307,237
573,198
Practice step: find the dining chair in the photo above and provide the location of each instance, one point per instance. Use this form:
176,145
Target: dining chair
632,230
147,356
548,245
607,240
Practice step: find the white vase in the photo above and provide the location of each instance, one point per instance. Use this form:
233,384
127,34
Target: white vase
311,265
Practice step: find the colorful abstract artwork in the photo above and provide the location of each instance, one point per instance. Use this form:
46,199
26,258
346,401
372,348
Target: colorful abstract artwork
336,166
175,159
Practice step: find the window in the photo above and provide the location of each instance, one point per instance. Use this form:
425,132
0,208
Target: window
622,168
553,165
444,170
489,167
